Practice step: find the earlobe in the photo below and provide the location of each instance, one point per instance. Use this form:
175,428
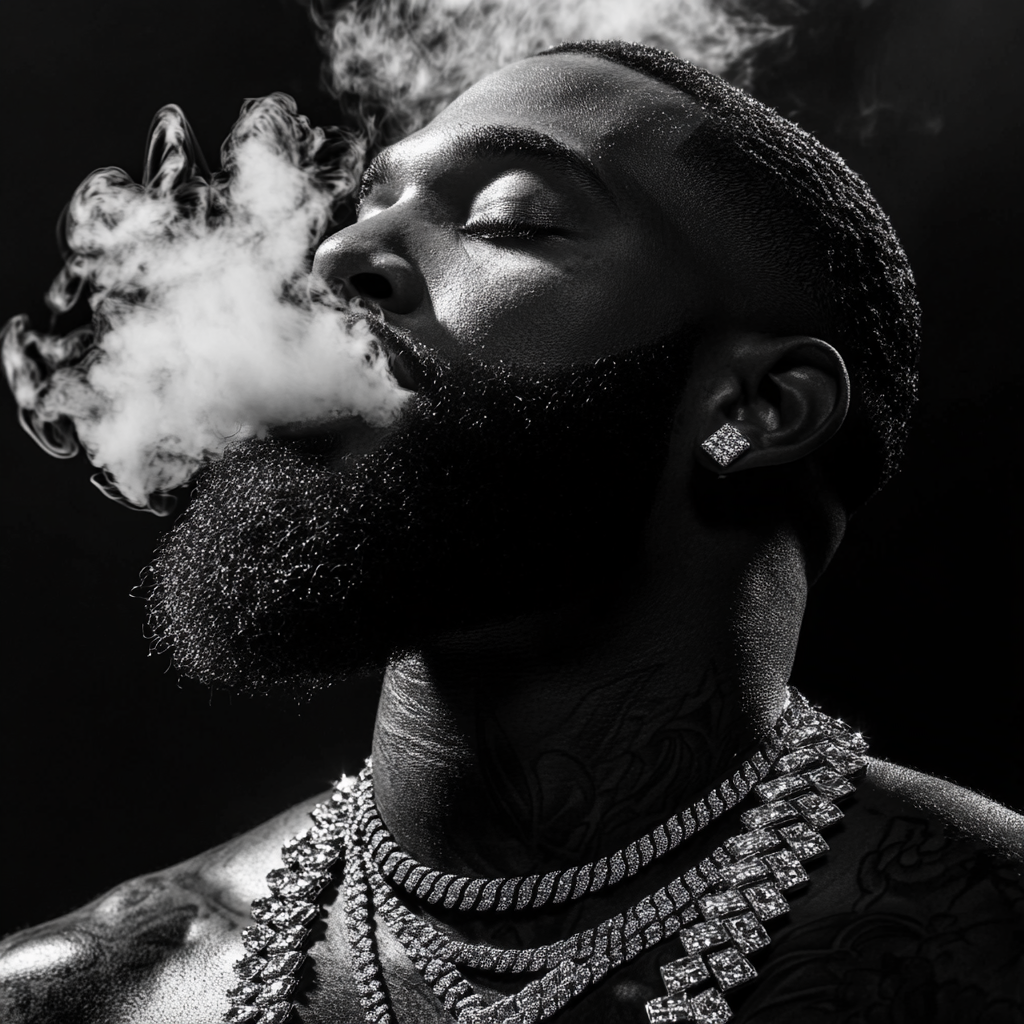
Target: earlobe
775,400
725,445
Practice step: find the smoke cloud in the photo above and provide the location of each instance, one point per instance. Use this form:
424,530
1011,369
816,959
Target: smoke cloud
829,64
205,329
396,64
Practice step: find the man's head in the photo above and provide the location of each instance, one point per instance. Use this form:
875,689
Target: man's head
713,210
583,269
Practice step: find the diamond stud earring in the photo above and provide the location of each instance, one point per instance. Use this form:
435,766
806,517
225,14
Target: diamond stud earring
726,445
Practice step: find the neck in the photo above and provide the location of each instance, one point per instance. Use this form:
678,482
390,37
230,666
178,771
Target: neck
555,741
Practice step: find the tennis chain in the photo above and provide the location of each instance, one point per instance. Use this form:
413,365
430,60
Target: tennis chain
716,909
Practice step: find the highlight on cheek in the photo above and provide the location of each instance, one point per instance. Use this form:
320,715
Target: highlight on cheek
205,330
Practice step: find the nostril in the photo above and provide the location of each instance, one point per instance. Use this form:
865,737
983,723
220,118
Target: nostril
372,286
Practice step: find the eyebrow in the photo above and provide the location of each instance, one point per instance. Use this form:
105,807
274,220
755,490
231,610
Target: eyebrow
491,142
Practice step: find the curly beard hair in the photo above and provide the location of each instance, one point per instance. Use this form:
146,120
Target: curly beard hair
296,565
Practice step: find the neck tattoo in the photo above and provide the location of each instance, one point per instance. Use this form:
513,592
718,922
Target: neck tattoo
716,909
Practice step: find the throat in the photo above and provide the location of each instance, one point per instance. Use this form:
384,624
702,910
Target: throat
539,773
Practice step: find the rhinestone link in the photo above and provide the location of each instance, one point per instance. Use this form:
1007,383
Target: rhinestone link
734,889
754,868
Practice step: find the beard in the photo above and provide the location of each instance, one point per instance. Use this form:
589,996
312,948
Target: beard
497,494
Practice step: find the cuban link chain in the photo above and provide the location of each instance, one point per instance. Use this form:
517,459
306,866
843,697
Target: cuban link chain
715,909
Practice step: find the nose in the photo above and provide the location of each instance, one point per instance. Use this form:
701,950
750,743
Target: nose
356,262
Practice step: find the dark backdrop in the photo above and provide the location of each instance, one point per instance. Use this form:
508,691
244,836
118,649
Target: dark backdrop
110,768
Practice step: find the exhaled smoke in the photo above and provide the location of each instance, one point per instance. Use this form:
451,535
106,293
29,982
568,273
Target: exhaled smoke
394,64
204,329
397,63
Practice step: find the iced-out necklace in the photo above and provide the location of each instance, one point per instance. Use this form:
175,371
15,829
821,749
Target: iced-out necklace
716,908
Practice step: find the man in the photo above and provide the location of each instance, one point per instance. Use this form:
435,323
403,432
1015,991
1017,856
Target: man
591,263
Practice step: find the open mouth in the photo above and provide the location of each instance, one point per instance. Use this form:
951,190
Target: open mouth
398,365
406,366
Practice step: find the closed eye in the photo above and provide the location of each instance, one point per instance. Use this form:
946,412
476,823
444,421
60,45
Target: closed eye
507,229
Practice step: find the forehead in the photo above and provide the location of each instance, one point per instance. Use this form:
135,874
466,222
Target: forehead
588,98
626,123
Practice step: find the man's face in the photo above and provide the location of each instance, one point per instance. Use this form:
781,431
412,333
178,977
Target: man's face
532,220
528,269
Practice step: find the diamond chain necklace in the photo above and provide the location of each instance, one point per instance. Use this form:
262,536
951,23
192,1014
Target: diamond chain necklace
535,891
716,908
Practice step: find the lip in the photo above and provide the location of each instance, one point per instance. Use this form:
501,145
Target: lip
407,367
353,432
338,439
398,365
403,363
328,430
395,349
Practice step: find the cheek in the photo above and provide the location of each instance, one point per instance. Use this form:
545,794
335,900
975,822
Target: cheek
536,310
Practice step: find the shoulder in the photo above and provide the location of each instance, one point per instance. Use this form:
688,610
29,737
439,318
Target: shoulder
916,914
158,948
907,832
922,843
962,815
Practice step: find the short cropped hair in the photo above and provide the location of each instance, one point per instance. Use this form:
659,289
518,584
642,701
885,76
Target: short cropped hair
816,220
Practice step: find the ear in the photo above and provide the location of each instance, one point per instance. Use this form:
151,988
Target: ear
785,396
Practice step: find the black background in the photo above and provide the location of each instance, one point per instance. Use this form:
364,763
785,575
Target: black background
111,769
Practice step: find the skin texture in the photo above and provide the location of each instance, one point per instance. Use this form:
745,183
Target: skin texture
553,737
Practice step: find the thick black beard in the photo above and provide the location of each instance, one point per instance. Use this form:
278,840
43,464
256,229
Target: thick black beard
497,494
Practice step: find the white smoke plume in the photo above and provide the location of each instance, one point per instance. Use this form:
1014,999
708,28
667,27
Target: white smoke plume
204,328
400,62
